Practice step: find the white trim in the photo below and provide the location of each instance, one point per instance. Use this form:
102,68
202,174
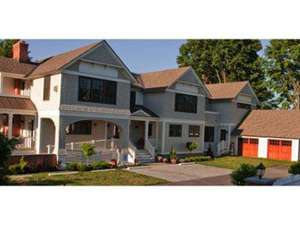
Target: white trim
140,111
14,75
184,92
212,112
91,109
70,72
227,124
271,138
18,111
94,115
15,96
163,138
99,63
182,121
142,118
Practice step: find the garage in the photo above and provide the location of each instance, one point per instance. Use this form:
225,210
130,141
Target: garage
279,149
250,147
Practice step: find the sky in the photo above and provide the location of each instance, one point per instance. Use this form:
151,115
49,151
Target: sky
138,55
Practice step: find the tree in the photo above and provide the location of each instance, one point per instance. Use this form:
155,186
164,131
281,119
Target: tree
283,72
6,47
87,150
220,61
6,147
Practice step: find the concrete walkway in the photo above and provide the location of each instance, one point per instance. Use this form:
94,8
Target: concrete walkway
194,173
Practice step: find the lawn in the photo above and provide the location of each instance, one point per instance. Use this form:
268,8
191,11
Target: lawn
114,177
233,162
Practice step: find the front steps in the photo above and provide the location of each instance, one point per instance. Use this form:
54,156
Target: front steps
143,156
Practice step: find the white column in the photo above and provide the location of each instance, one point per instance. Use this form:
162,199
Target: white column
156,134
57,136
202,146
38,125
105,134
10,125
163,133
146,130
229,137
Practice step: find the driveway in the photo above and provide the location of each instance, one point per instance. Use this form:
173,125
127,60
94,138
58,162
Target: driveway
186,174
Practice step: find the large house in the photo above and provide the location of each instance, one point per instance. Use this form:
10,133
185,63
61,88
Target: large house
88,95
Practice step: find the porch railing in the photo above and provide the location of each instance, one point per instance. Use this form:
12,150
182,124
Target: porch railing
132,151
149,147
100,145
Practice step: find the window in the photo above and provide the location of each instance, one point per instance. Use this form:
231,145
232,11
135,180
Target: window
150,130
286,143
81,127
209,134
223,135
47,84
175,130
96,90
185,103
194,131
274,142
243,106
132,99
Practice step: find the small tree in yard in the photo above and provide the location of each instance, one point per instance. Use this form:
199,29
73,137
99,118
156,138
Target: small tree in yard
87,150
6,147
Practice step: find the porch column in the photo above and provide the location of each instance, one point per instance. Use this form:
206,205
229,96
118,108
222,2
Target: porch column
38,124
146,130
229,137
202,146
10,125
156,134
163,133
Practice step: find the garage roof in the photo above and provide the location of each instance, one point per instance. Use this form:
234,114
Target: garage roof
272,123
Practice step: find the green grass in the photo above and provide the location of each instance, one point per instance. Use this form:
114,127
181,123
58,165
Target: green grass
115,177
233,162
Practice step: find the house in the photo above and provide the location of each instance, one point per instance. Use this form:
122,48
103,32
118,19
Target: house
272,134
88,95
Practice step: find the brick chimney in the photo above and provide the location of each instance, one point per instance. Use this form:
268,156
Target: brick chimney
20,52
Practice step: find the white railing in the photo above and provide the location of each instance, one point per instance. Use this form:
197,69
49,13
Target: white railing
148,146
25,143
131,152
223,147
100,145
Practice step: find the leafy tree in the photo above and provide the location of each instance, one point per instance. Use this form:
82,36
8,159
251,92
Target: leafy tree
220,61
87,150
6,147
283,72
6,47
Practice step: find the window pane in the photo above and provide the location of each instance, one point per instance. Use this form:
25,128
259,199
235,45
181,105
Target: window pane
185,103
84,89
194,131
209,134
223,135
81,127
47,84
175,130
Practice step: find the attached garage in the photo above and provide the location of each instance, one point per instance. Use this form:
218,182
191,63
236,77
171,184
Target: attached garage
279,149
250,147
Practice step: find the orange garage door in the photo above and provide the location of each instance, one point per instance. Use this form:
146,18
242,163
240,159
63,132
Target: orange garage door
250,147
279,149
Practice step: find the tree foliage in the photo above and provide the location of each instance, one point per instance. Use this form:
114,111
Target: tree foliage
6,47
283,70
220,61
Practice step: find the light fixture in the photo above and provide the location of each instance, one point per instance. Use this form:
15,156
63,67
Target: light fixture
260,170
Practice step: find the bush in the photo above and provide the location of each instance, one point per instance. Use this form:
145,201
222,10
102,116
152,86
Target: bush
295,168
20,168
71,166
245,170
87,150
197,158
191,146
83,167
101,165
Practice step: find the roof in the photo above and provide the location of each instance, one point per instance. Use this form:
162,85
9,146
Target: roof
161,79
10,65
146,110
16,103
226,90
272,123
54,64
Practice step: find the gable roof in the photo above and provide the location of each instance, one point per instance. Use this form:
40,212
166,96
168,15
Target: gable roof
10,65
272,123
161,79
56,63
226,90
16,103
137,108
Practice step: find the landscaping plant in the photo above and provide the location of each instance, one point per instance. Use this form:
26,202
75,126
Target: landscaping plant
245,170
173,156
87,150
191,146
101,165
295,168
20,168
6,147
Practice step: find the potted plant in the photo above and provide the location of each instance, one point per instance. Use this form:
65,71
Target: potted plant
173,156
160,158
191,146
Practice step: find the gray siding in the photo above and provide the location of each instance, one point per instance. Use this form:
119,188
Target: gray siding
69,93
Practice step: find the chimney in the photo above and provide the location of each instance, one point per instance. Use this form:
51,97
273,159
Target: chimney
20,52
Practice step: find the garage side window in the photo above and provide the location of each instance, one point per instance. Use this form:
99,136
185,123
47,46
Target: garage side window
175,130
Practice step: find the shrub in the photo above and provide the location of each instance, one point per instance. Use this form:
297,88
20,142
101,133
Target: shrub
295,168
245,170
101,165
20,168
83,167
197,158
173,154
71,166
6,147
87,150
191,146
